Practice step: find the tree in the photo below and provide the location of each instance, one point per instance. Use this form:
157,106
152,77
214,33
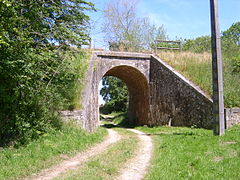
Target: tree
45,22
122,27
34,62
233,33
198,45
150,33
115,94
231,42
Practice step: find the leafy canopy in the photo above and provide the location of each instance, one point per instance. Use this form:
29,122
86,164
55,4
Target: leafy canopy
44,22
38,73
115,94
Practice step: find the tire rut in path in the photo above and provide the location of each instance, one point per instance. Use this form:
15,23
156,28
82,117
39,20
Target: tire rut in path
137,167
80,158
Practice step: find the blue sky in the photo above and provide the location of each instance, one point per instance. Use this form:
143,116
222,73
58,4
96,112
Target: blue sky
181,18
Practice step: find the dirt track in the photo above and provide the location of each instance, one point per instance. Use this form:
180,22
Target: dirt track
135,169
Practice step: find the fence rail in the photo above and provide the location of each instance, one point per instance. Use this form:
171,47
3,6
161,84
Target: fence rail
169,44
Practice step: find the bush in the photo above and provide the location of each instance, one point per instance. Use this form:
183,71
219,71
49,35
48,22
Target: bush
236,64
34,86
198,45
39,72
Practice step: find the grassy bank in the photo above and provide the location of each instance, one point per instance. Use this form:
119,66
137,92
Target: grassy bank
106,165
185,153
197,68
46,151
190,153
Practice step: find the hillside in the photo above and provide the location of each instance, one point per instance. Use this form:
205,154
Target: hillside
197,68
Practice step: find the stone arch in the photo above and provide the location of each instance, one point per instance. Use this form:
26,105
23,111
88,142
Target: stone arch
138,88
158,94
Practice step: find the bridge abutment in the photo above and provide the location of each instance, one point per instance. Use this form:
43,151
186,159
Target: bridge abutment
158,95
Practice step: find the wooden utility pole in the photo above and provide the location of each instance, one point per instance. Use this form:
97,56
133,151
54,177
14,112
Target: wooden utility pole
217,75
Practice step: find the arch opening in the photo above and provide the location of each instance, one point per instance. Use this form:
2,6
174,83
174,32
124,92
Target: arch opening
138,110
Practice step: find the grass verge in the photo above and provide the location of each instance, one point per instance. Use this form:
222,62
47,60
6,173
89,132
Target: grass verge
48,150
185,153
106,166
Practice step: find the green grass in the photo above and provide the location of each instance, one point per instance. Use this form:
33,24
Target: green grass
46,151
197,68
119,118
106,165
185,153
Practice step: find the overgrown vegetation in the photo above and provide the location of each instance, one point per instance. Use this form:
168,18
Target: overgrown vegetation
197,68
38,71
186,153
46,151
195,63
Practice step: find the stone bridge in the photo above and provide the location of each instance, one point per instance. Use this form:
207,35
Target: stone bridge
158,95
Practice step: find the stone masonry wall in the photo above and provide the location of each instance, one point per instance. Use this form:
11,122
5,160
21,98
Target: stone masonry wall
232,116
133,69
176,101
158,94
76,115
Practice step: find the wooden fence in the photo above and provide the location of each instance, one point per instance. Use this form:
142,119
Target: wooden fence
168,45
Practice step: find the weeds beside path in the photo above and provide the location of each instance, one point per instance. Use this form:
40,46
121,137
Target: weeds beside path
124,154
72,163
47,151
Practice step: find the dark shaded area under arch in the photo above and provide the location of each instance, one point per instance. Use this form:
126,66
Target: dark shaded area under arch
138,111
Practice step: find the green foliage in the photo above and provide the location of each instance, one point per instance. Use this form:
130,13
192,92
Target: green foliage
70,79
236,64
231,64
48,150
187,153
231,53
34,88
115,94
198,45
233,34
35,68
44,22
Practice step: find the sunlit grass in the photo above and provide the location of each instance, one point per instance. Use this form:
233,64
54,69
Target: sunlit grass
185,153
46,151
197,67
